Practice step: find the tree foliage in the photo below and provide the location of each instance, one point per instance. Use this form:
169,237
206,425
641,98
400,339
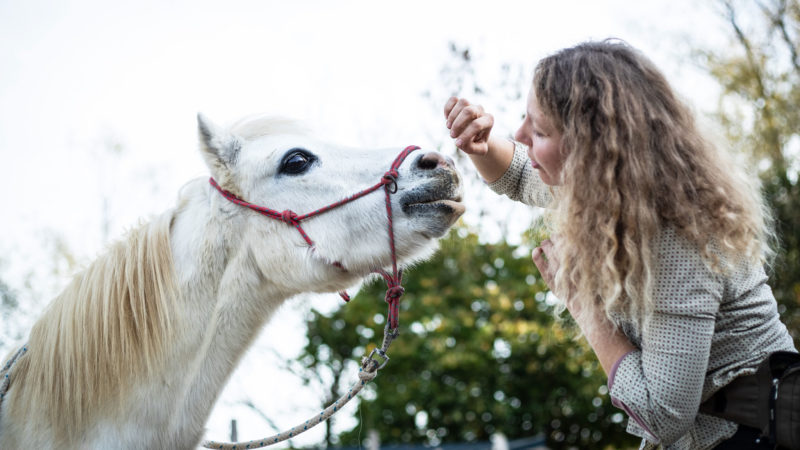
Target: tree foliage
479,352
760,79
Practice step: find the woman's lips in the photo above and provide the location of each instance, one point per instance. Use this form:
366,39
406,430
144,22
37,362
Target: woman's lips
535,165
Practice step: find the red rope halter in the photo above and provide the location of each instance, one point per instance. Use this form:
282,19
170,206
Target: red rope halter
388,181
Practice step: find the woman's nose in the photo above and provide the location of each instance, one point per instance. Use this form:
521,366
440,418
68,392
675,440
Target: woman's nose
522,136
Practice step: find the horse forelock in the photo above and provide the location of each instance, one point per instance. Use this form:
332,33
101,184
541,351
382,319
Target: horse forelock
256,126
110,326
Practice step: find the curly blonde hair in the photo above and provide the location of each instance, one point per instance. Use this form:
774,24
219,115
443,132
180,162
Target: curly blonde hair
635,163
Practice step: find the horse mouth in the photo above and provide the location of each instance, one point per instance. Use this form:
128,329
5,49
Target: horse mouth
434,202
435,205
447,206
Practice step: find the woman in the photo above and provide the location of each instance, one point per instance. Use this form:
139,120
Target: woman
659,241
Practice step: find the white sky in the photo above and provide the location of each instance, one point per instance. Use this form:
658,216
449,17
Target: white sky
78,76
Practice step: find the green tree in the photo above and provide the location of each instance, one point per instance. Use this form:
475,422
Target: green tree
479,352
760,79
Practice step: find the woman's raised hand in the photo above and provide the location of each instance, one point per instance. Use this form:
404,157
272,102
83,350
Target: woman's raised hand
469,125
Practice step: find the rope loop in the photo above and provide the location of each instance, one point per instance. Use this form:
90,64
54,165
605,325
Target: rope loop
290,217
389,180
366,375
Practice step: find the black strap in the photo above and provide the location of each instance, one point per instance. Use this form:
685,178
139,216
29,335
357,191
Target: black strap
751,400
737,401
773,399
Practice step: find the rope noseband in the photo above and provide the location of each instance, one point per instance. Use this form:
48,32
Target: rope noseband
394,291
389,183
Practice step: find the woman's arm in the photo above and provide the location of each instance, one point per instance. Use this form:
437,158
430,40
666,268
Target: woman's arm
660,385
496,161
607,341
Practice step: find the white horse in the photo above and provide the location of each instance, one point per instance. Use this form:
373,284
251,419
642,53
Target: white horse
134,352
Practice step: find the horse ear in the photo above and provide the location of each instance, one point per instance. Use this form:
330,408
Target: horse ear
220,149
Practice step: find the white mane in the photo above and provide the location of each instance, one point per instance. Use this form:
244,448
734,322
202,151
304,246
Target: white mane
109,328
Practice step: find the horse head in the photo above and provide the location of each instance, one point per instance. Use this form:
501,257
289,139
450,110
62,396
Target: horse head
279,165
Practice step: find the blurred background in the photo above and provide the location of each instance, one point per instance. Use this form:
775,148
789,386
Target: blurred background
98,101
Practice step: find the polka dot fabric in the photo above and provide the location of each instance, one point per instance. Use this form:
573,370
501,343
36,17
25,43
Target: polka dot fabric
521,182
706,330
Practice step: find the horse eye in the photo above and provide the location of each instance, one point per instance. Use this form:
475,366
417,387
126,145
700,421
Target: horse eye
296,161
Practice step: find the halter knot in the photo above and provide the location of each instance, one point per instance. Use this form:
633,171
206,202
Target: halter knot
394,293
290,217
389,180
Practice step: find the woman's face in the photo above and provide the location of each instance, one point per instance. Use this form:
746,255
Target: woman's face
543,141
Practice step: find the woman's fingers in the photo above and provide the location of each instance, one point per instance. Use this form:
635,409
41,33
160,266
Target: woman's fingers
466,116
547,246
544,258
469,125
475,137
453,108
448,107
542,263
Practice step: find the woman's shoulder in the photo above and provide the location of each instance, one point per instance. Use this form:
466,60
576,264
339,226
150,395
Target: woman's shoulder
673,250
686,262
673,244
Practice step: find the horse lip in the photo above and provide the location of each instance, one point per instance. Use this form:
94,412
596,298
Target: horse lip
422,197
426,201
450,204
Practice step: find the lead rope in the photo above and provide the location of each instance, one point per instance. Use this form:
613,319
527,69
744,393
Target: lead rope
6,372
394,291
366,373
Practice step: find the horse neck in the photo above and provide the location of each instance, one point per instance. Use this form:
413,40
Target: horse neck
225,299
215,266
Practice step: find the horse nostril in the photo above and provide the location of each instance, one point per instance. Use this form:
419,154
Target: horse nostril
432,160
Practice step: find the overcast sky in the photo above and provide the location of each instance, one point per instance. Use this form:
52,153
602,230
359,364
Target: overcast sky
80,77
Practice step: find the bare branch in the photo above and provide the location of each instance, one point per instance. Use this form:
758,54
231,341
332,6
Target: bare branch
254,408
770,133
748,48
779,21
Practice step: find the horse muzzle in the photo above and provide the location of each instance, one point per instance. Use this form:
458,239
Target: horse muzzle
436,194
